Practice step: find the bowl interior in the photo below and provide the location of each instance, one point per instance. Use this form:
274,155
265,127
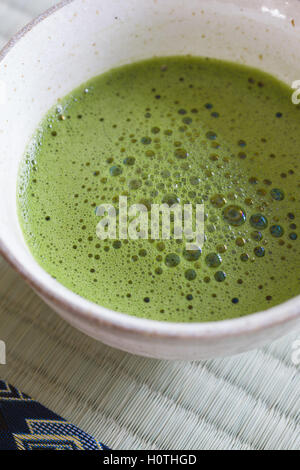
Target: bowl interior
87,37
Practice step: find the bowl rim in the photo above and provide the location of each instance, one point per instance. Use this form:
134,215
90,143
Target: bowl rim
83,310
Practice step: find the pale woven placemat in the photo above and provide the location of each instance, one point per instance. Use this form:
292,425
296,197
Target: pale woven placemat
251,401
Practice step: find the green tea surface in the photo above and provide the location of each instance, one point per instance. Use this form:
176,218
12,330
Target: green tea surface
188,129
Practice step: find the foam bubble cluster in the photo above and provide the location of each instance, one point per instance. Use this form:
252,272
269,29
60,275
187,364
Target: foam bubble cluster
169,135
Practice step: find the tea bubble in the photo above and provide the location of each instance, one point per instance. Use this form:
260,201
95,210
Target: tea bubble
240,241
257,236
220,276
253,180
190,274
277,194
172,260
259,221
155,130
276,231
293,236
129,161
259,251
117,244
211,135
218,200
213,260
181,153
135,184
146,140
116,170
234,215
192,255
160,246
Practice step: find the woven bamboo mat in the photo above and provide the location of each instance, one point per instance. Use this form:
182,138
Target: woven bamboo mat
251,401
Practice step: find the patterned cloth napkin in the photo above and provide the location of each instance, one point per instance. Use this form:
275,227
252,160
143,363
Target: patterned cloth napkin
27,425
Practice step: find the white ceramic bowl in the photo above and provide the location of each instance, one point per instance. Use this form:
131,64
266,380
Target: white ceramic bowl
80,39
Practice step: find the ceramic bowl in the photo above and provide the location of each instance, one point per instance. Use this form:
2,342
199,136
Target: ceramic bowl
79,39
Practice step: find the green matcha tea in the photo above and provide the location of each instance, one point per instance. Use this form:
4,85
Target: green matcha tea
183,129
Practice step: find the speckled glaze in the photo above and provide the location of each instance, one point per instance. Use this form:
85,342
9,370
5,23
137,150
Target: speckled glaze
81,38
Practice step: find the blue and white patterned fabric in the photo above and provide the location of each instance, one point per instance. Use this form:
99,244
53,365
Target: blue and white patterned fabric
27,425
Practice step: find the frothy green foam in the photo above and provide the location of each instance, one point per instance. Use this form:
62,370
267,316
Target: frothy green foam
189,129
